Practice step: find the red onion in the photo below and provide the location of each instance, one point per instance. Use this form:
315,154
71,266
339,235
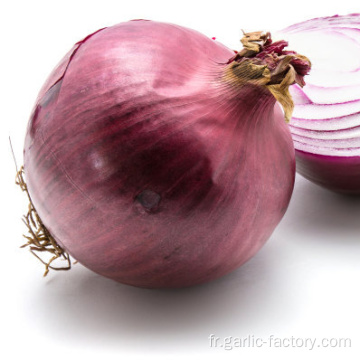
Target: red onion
326,122
154,155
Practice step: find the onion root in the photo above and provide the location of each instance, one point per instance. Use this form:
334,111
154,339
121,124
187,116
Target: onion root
39,239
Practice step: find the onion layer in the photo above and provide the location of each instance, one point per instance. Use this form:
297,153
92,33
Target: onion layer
326,122
154,155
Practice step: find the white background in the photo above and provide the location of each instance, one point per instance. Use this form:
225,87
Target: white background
304,283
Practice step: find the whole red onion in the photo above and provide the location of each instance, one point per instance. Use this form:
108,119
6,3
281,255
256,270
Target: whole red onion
154,155
326,123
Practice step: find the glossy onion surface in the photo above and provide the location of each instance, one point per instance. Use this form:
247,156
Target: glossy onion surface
147,166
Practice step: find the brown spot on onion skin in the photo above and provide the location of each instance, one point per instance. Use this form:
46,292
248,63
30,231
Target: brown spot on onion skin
148,199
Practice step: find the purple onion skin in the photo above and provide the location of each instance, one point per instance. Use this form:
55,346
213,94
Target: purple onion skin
147,167
339,174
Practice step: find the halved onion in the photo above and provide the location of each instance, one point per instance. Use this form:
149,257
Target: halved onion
326,121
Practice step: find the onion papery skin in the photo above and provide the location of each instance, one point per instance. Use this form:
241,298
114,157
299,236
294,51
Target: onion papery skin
147,166
326,120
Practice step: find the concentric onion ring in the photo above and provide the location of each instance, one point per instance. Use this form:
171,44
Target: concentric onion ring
326,120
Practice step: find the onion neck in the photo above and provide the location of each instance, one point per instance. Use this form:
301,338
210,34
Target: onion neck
265,64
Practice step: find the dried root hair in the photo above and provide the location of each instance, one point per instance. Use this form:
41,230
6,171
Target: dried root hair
39,239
